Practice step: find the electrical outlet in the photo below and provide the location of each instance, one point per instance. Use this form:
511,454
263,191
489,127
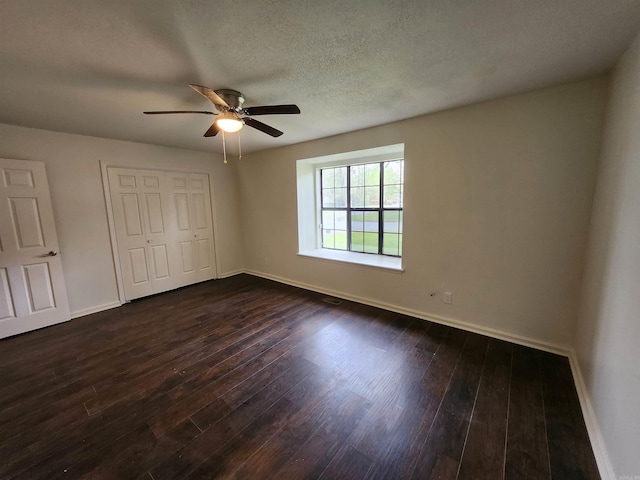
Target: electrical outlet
266,261
447,297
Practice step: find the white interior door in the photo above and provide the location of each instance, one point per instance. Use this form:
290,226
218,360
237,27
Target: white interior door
164,229
32,289
194,226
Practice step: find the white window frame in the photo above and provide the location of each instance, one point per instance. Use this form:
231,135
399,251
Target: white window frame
309,211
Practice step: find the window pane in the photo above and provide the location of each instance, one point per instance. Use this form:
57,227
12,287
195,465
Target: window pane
341,176
392,196
340,199
340,229
371,222
328,176
328,238
334,225
393,172
328,200
328,222
341,220
392,222
391,244
372,174
357,175
371,242
357,221
357,197
357,241
372,197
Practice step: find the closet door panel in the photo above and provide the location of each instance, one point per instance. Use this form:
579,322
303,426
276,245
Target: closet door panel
178,192
186,249
164,229
128,215
202,226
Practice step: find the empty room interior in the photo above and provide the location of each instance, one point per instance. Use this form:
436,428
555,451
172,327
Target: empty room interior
206,270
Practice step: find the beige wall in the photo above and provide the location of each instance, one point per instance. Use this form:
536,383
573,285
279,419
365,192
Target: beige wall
75,179
497,204
608,335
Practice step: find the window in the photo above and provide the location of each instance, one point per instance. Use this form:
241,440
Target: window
350,207
361,207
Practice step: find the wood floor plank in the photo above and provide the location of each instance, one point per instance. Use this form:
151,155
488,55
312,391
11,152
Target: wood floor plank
419,418
249,378
570,454
348,463
168,369
527,452
484,449
231,373
296,404
393,412
36,456
272,382
344,407
132,454
223,423
273,453
242,350
46,421
73,365
310,460
389,433
332,432
32,410
442,451
70,340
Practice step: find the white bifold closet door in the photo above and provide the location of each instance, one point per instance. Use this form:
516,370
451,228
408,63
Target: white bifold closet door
164,229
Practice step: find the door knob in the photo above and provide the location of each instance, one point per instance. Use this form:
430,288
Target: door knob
52,253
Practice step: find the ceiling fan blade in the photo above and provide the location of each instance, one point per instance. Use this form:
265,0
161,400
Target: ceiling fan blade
273,110
210,94
213,130
162,112
263,127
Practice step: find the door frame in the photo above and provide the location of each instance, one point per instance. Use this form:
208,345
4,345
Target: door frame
148,165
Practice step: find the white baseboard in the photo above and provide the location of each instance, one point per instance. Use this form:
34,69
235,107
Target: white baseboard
593,428
99,308
110,305
595,436
230,274
451,322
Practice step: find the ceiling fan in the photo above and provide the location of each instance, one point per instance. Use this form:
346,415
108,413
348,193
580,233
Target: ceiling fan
231,115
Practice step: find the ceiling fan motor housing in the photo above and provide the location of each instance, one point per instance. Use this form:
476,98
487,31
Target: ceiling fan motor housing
233,98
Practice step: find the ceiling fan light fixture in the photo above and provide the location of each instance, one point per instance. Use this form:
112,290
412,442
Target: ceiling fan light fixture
232,117
229,123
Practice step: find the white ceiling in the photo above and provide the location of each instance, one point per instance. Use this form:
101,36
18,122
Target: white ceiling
92,66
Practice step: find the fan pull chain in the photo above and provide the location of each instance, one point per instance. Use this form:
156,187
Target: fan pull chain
224,147
239,147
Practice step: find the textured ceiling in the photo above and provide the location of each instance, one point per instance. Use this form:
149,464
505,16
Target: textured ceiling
91,67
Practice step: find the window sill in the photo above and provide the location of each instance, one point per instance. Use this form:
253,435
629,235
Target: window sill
364,259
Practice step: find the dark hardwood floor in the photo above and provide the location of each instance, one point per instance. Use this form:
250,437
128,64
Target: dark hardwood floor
247,378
